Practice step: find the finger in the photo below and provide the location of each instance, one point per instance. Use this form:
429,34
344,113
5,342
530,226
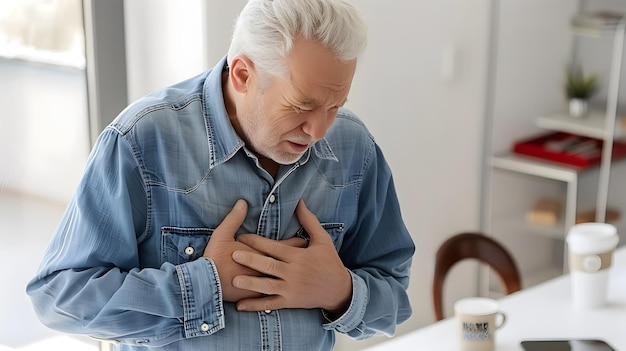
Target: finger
261,285
266,303
254,239
310,223
296,242
260,263
232,222
266,246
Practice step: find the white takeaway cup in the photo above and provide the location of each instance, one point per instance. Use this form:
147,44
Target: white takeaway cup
590,247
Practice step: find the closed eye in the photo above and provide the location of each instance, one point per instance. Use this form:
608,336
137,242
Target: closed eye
299,109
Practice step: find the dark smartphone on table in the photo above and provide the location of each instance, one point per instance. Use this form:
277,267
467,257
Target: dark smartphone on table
566,345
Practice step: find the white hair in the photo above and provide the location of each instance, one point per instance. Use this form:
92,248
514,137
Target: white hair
265,30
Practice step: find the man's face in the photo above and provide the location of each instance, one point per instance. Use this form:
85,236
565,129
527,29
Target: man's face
285,117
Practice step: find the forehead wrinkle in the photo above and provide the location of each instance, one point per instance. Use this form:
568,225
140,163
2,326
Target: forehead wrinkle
332,96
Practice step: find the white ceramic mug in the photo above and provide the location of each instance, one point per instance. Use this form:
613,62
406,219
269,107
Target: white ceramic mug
591,247
478,318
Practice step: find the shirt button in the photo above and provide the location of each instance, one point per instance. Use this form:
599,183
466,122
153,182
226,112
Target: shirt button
268,311
272,198
204,327
189,250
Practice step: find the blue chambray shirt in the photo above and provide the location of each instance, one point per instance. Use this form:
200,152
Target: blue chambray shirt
126,260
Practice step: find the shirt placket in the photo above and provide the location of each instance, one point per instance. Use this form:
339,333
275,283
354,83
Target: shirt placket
269,227
269,221
269,224
271,339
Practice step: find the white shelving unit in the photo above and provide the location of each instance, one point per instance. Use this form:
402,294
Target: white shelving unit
609,128
592,126
598,124
548,170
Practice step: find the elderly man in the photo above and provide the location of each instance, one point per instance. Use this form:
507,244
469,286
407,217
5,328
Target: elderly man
243,209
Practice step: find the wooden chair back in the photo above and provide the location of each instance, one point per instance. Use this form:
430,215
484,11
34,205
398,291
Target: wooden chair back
473,246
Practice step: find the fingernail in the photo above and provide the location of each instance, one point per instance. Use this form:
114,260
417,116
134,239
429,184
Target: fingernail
241,204
241,307
237,256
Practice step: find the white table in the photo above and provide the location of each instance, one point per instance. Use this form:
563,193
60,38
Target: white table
540,312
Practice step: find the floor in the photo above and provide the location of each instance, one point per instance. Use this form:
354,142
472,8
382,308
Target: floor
27,224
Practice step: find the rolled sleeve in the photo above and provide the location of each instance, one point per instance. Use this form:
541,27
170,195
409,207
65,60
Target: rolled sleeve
353,316
203,309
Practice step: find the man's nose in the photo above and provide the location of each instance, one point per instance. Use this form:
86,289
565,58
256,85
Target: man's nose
317,124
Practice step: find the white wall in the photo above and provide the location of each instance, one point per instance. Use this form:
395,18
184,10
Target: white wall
165,43
429,125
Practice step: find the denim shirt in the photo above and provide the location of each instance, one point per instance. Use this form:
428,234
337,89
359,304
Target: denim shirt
126,261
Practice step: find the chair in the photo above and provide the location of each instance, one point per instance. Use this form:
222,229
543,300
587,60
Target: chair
473,246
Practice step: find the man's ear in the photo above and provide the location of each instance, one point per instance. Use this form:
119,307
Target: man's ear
241,73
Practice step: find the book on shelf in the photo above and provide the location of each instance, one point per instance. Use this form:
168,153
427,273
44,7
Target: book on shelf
611,216
567,149
596,23
545,211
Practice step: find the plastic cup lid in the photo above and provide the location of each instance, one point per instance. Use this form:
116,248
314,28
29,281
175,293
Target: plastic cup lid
586,238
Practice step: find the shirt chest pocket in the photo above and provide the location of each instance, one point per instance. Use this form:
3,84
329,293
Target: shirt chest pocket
181,245
334,230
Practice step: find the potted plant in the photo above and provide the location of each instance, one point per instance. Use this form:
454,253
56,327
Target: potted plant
579,88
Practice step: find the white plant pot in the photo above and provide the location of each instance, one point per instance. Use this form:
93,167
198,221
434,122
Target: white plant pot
578,107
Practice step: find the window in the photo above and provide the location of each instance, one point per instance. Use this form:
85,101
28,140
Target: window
44,138
48,31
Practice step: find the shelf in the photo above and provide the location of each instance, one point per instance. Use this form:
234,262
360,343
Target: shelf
590,126
555,231
536,167
596,24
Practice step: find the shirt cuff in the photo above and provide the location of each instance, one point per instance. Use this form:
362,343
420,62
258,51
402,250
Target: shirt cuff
203,308
355,312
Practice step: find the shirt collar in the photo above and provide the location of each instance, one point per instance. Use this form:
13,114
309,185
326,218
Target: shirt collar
223,140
